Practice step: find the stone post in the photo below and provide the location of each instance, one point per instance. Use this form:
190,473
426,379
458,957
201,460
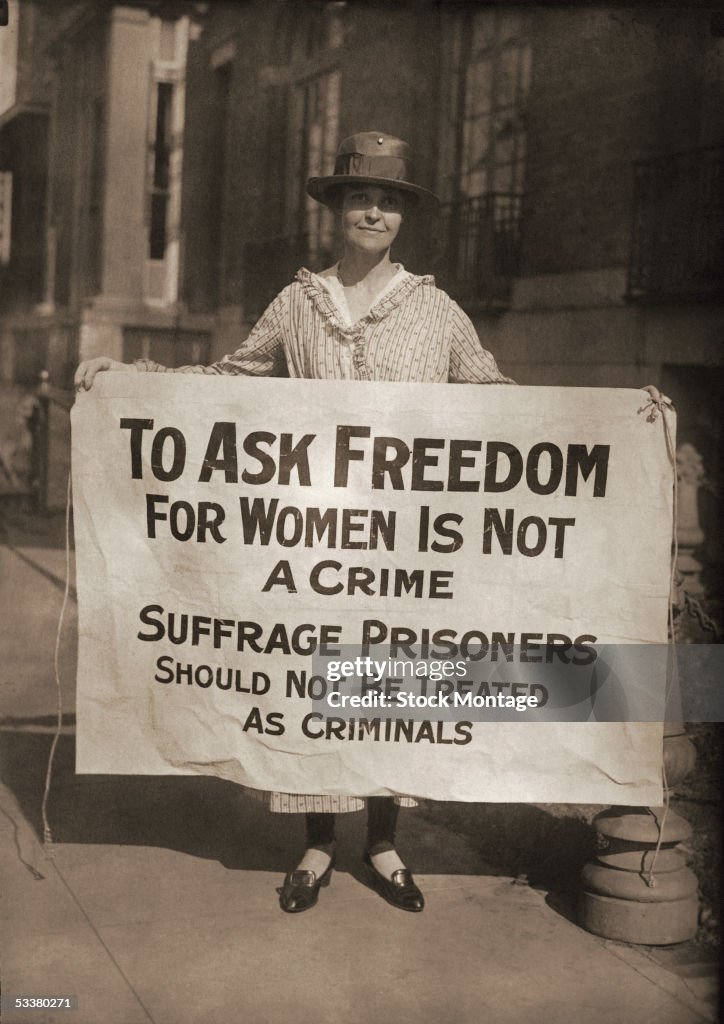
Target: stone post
631,892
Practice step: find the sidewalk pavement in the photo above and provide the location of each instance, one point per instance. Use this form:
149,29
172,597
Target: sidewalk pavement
158,902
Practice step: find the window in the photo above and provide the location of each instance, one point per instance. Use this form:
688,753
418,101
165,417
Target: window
217,175
487,79
489,82
165,157
316,123
315,105
161,158
303,94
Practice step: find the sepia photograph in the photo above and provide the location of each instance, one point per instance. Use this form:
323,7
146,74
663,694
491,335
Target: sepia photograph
331,695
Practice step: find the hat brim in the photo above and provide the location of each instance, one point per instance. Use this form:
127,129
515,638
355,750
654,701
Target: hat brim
323,189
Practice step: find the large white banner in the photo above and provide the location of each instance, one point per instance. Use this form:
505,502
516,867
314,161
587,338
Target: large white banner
228,528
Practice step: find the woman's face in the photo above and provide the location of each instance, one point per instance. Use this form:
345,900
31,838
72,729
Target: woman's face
371,217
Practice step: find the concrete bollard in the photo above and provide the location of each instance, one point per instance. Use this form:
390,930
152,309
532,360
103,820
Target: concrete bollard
630,892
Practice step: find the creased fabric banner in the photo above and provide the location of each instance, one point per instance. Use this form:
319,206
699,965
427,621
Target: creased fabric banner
227,528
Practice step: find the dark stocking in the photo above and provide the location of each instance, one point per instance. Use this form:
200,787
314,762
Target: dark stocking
382,814
320,832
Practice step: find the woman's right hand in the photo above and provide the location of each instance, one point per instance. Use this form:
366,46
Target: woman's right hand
86,372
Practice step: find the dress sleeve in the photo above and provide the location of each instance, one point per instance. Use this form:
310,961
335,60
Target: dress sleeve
261,355
470,363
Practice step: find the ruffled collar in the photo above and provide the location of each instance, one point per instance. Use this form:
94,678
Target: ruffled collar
389,300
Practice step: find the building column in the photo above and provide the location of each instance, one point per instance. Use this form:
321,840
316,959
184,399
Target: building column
124,234
126,158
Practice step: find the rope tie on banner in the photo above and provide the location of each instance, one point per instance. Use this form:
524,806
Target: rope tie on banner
660,404
47,833
650,878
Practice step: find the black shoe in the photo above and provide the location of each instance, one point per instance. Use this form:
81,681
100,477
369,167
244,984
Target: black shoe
400,891
301,889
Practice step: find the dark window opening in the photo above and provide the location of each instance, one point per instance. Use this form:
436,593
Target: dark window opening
158,234
677,243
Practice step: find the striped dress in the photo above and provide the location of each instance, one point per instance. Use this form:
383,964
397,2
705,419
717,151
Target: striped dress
413,333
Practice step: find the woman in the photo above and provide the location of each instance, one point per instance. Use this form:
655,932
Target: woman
366,318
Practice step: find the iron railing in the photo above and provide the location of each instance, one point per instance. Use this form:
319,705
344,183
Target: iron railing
677,244
50,455
43,350
479,255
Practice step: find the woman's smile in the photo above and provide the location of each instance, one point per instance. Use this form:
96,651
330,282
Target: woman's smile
371,210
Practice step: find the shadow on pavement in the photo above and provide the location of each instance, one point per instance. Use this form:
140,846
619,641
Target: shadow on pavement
210,818
544,847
